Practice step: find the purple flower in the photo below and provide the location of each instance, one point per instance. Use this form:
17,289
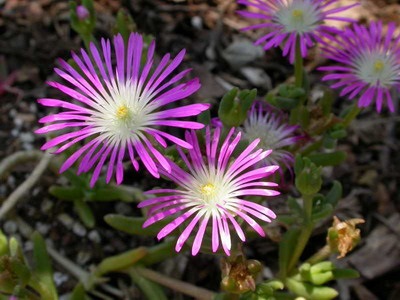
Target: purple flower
82,12
369,64
289,19
212,192
274,133
116,109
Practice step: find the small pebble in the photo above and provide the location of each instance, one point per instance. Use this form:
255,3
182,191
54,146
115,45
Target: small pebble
28,246
42,228
79,229
66,220
18,122
27,146
33,107
36,191
60,278
3,191
15,132
27,137
46,206
94,236
197,22
83,257
123,208
10,227
11,181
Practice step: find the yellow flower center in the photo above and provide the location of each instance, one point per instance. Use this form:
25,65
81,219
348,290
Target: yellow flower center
208,189
297,13
379,65
123,112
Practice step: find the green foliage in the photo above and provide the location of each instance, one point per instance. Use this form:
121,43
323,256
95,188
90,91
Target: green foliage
84,27
18,278
124,24
120,261
234,106
308,176
311,278
134,225
80,193
150,289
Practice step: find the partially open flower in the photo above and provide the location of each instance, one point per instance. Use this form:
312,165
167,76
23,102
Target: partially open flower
239,275
212,192
82,12
289,20
369,64
119,107
343,236
274,132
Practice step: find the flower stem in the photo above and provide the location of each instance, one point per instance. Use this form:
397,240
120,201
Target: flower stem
351,115
305,233
298,65
322,254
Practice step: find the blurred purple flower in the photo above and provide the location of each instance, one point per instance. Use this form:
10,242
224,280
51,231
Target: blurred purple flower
289,19
369,61
82,12
212,191
118,107
269,126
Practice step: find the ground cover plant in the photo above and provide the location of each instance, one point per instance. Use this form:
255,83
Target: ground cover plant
246,180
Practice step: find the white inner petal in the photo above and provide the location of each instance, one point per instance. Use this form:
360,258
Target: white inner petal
260,127
210,188
123,114
377,68
298,16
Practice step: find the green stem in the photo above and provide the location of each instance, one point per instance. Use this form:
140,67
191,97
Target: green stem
298,65
321,255
351,115
313,147
305,233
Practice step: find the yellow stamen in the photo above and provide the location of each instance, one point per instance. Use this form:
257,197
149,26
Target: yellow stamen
208,189
297,13
379,65
122,112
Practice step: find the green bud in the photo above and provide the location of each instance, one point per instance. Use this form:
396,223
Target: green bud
290,91
321,278
323,266
83,18
228,284
3,244
285,103
254,266
234,106
310,291
309,180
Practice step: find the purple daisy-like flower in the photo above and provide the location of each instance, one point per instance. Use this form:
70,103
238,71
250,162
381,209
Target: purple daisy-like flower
212,192
369,64
274,133
289,19
118,107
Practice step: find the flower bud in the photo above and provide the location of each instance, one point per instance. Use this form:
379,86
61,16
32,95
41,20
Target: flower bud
308,180
343,236
82,12
239,275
